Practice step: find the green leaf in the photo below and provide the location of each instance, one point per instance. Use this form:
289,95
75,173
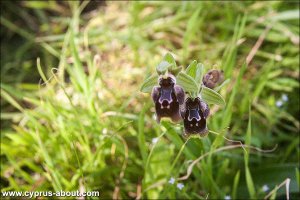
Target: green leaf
186,82
249,180
200,67
227,114
191,29
141,133
40,70
195,71
273,196
10,100
250,184
191,70
235,184
162,67
286,15
149,83
212,97
170,59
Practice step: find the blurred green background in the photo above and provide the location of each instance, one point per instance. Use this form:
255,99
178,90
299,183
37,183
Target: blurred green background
72,115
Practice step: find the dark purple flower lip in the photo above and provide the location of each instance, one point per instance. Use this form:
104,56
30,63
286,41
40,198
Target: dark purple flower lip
194,114
167,98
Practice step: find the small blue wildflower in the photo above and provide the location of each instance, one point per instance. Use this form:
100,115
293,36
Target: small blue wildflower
279,103
265,188
180,186
227,197
172,180
154,140
285,97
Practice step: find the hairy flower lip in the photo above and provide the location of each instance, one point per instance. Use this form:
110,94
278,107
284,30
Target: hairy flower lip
194,116
165,96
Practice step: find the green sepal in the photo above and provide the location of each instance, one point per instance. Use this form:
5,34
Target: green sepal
149,83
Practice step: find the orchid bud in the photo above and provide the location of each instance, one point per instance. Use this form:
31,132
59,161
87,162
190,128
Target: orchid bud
213,78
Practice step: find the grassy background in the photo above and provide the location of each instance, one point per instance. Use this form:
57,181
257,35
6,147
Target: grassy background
72,116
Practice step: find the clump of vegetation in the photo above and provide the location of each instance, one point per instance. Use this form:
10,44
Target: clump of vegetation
76,119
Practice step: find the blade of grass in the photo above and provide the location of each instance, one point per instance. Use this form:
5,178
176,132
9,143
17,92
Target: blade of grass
141,133
235,184
249,180
38,61
11,100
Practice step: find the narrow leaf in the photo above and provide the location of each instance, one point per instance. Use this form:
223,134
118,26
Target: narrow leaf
200,74
286,15
149,83
212,97
192,27
141,134
191,70
273,196
250,184
10,99
40,70
187,82
249,180
235,184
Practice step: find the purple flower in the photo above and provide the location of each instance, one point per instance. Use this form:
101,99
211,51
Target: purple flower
285,97
155,140
180,186
279,103
265,188
194,116
172,180
167,98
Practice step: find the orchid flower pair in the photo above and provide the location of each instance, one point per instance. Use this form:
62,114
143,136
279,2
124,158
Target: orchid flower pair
184,95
